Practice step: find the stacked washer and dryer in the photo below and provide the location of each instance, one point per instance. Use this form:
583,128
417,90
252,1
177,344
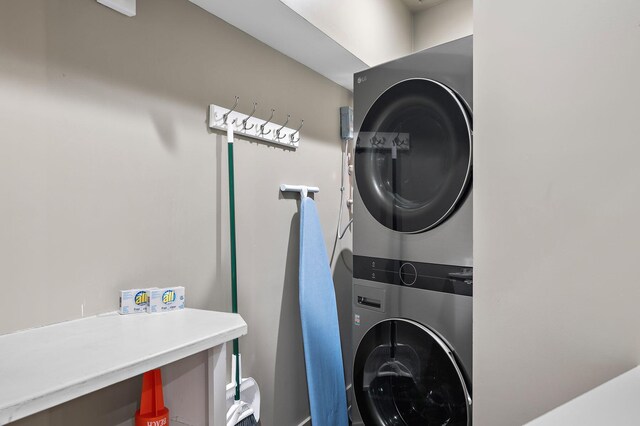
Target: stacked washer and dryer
412,240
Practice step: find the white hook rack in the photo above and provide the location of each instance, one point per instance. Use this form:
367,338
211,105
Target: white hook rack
255,128
304,190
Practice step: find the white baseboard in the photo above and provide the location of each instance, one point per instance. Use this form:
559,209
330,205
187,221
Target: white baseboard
306,422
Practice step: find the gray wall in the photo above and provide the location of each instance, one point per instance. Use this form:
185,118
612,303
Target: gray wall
374,31
109,180
556,202
446,21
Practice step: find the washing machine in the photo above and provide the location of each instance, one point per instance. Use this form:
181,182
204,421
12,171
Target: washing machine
412,240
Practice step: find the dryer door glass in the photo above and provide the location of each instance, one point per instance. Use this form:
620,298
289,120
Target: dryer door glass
405,375
413,155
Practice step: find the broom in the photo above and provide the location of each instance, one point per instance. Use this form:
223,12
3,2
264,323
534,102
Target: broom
241,413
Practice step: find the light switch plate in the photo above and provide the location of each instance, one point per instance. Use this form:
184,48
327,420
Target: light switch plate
126,7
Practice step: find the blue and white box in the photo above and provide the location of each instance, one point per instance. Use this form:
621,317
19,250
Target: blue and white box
134,301
166,299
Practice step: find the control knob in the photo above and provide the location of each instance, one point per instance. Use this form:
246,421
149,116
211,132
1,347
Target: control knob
408,274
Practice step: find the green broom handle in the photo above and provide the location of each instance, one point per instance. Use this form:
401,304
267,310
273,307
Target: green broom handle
234,275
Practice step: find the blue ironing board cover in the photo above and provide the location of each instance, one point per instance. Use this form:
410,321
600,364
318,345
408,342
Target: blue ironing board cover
320,330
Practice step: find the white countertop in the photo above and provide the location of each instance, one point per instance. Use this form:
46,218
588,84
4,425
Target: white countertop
616,402
46,366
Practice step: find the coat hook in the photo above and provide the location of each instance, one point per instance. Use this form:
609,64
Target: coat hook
282,127
399,142
244,122
377,141
226,115
262,133
292,135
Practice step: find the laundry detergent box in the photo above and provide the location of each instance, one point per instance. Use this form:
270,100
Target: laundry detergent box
134,301
166,299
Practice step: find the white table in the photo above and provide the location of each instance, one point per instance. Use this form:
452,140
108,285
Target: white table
616,402
46,366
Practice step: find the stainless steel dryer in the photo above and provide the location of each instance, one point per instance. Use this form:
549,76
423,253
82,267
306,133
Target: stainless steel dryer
412,237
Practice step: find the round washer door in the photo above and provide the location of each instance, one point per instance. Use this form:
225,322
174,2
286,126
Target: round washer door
405,375
413,155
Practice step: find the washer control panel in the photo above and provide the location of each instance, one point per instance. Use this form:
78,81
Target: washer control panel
427,276
408,274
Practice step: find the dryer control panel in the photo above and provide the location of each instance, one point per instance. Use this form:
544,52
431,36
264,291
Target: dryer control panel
426,276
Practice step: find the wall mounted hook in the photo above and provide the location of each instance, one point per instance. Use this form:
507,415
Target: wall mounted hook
252,127
226,115
262,132
292,137
244,122
397,141
377,141
282,127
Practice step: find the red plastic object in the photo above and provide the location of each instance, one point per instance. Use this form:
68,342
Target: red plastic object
152,411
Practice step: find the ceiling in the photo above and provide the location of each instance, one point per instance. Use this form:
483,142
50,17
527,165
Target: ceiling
417,5
279,26
266,22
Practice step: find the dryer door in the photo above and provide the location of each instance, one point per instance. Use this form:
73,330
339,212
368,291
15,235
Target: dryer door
413,155
405,375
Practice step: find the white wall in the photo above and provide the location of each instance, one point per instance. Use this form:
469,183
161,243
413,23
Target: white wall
556,200
374,31
109,179
449,20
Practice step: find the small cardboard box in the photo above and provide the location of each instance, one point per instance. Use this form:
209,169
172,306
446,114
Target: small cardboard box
166,299
134,301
